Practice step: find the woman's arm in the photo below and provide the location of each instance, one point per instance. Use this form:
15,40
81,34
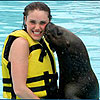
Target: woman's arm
18,57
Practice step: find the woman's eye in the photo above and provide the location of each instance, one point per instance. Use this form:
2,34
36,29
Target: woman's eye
33,22
42,22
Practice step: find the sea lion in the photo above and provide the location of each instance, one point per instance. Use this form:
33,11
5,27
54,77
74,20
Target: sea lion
77,79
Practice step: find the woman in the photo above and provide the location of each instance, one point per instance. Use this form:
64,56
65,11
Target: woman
28,65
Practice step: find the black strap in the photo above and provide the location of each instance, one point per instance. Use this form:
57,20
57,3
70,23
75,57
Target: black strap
46,80
7,80
12,92
38,46
51,87
34,89
44,77
49,53
34,47
33,79
43,53
8,45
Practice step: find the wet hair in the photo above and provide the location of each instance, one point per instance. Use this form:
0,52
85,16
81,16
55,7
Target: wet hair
36,6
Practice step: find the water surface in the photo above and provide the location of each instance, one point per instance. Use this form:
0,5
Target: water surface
80,17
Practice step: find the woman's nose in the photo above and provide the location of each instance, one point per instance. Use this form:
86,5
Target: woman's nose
37,26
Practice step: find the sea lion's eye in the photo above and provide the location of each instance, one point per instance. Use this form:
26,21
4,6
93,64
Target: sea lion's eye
59,33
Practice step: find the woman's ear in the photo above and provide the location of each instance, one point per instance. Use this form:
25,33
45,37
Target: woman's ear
25,19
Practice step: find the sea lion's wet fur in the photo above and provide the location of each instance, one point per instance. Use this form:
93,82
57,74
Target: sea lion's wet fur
77,79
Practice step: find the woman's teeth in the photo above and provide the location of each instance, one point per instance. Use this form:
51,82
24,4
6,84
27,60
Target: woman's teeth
36,32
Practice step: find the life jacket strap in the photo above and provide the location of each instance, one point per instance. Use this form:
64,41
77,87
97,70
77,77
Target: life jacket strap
12,92
34,89
48,85
34,79
51,87
34,47
49,53
43,52
8,45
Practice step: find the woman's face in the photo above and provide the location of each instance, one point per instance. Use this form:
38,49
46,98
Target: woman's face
36,22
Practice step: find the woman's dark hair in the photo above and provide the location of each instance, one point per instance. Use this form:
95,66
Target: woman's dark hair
35,6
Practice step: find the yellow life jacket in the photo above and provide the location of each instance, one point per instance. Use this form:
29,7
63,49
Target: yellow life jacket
42,76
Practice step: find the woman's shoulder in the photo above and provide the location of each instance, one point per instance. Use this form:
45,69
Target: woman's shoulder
19,47
20,41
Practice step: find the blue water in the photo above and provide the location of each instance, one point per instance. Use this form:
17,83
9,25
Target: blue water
80,17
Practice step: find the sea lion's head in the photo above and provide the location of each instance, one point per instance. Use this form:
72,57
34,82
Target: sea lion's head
55,35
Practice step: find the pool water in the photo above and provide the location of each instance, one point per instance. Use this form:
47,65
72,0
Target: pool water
80,17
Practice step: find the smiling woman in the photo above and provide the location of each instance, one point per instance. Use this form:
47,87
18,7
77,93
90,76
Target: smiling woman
33,75
36,22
